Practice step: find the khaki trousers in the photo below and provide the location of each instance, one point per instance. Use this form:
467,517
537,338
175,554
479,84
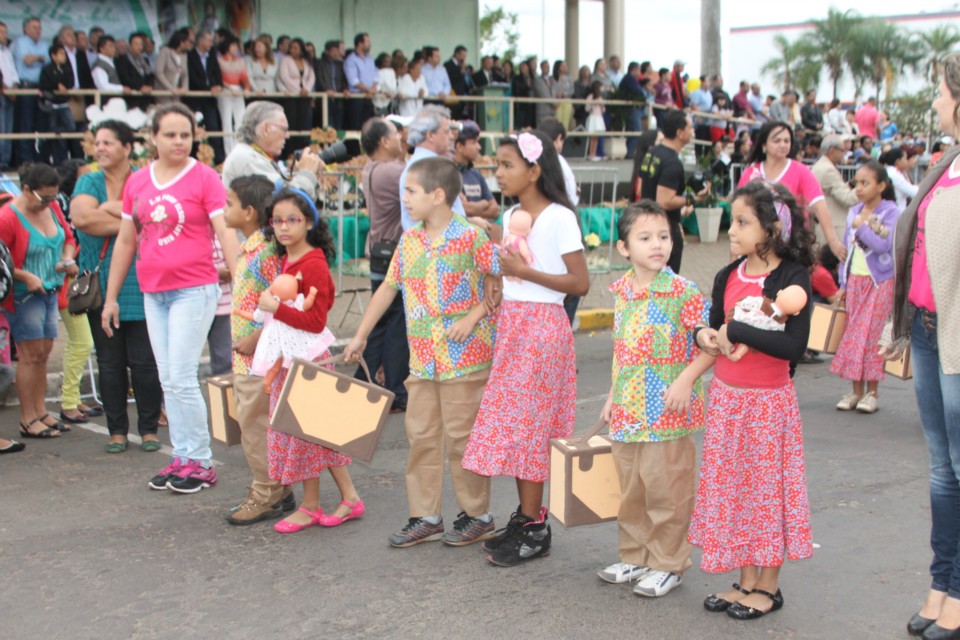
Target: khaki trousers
442,414
658,484
253,414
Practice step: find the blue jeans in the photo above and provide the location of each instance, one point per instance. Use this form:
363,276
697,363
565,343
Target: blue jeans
178,322
938,396
6,126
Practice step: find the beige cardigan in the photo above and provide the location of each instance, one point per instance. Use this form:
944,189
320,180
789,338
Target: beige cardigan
942,234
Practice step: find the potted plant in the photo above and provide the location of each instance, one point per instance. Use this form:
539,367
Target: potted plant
708,211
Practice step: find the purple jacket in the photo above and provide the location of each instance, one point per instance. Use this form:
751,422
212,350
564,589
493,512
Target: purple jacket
878,250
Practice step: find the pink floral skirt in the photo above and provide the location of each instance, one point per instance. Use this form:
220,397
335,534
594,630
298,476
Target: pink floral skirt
752,507
868,307
291,459
530,396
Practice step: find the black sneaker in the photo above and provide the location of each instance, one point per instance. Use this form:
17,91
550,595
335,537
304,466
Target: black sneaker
467,530
192,478
287,504
417,530
532,540
159,481
517,520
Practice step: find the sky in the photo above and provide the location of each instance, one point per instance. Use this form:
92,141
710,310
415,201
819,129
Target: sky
674,30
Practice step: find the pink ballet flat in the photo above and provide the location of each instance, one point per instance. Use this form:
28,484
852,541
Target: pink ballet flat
356,510
291,527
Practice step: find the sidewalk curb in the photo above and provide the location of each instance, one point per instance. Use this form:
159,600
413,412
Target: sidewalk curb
593,319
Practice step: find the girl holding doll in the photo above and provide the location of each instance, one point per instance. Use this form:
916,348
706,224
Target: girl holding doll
751,510
531,393
866,285
305,248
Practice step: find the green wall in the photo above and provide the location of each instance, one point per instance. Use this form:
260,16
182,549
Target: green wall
403,24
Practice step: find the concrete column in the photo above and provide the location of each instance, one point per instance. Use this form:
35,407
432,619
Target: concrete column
613,30
572,34
709,37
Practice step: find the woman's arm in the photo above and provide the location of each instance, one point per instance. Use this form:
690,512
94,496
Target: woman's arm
92,217
825,220
123,251
576,282
228,242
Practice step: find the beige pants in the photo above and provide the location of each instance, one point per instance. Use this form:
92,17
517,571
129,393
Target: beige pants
442,414
658,484
253,413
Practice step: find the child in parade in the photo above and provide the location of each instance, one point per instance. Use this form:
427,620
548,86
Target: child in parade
866,286
752,510
531,394
438,266
656,404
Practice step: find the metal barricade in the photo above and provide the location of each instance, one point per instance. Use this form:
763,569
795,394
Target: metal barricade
597,187
340,193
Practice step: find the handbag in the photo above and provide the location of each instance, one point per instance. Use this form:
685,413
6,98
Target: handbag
381,253
85,294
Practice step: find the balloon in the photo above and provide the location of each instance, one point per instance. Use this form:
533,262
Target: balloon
693,84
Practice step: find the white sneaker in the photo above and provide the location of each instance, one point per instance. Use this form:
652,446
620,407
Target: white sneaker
868,403
657,583
848,402
622,572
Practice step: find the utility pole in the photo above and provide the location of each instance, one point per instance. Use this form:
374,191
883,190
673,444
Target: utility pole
709,37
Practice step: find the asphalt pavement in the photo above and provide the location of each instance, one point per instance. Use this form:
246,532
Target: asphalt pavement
89,552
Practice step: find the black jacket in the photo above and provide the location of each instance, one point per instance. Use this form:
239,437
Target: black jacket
328,71
791,343
457,80
84,75
53,75
200,81
130,76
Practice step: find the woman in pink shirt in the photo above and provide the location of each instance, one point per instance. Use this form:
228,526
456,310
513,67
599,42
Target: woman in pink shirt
769,160
171,211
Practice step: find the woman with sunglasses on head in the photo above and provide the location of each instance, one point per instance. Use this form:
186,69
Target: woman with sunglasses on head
43,247
170,211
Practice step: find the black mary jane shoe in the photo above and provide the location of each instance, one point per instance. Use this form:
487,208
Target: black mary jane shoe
918,624
936,632
13,447
716,604
741,612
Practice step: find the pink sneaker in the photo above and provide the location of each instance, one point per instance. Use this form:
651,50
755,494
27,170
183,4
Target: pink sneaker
192,477
356,510
169,472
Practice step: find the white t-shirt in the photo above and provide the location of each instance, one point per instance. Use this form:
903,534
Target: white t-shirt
554,234
569,181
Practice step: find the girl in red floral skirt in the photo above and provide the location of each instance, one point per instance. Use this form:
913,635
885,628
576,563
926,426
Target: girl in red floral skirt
305,247
752,510
531,394
866,285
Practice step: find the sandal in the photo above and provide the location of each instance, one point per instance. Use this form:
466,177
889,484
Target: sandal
49,432
716,604
59,426
93,412
80,419
116,447
150,445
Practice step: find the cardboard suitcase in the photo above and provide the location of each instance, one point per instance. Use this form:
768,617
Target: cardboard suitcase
901,367
584,487
333,409
223,410
826,327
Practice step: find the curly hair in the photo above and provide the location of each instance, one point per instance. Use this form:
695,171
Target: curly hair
762,198
318,235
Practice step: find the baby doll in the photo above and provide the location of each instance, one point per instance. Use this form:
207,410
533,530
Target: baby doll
767,314
279,342
519,228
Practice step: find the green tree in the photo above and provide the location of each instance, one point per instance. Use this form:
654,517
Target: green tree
830,39
887,51
938,43
498,33
795,66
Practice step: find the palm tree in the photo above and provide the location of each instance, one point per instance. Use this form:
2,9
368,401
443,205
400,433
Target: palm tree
831,39
938,43
885,51
795,61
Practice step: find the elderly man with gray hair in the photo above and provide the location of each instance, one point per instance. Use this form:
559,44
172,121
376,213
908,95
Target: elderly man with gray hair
260,140
839,195
431,135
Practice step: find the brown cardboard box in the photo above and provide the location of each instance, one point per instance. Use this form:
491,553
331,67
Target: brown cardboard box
332,408
901,367
223,410
584,487
826,328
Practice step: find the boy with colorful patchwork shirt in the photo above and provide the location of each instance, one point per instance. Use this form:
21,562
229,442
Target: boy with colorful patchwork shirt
655,405
439,266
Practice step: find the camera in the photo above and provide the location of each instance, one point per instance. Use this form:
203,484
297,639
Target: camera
698,181
341,151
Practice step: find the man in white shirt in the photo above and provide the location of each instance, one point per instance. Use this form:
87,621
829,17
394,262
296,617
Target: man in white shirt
613,70
438,80
104,71
10,80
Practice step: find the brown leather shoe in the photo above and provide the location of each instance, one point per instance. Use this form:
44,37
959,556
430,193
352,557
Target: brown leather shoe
250,512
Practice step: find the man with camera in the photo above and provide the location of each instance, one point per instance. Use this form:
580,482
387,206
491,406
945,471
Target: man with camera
663,179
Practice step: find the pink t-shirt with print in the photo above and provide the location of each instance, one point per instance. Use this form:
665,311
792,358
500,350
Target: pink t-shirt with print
173,226
921,292
797,178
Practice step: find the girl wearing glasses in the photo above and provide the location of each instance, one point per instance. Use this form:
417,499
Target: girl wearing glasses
169,210
43,247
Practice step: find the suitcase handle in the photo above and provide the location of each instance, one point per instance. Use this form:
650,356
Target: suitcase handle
339,358
592,431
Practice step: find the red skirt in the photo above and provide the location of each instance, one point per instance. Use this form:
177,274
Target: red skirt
291,459
868,307
752,507
530,396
